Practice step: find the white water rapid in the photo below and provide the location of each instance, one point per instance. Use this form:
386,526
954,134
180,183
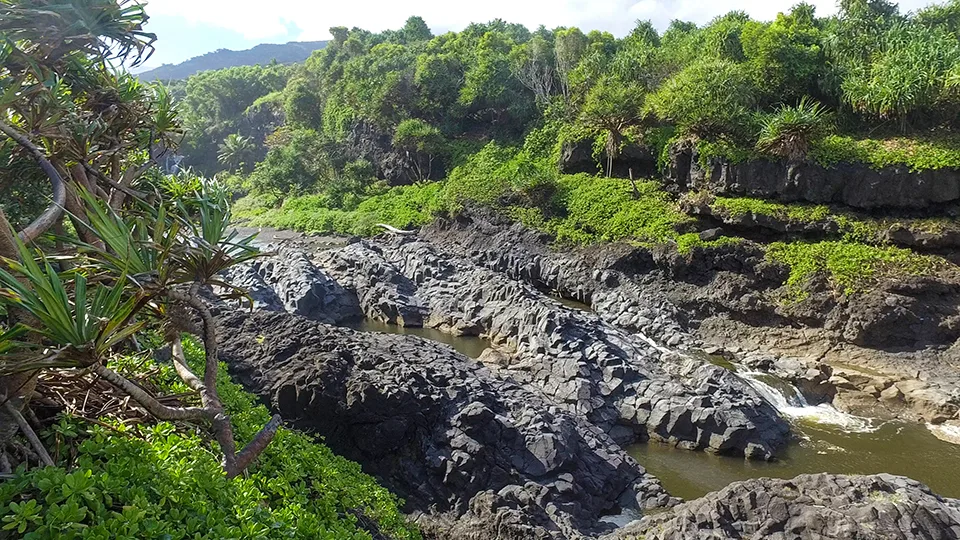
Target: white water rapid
789,402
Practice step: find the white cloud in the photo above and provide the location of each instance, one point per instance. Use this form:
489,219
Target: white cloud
259,20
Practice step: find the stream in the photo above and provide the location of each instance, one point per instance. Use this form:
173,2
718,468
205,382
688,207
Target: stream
828,440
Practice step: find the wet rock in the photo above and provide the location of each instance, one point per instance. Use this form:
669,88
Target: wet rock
808,507
459,444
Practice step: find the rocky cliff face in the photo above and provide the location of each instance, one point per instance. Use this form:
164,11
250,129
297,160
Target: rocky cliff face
460,444
851,184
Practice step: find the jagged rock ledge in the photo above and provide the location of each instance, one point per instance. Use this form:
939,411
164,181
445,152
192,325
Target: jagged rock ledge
856,185
623,382
460,444
729,300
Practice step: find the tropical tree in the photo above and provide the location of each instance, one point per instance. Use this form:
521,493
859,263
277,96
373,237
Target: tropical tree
234,151
133,265
790,131
611,108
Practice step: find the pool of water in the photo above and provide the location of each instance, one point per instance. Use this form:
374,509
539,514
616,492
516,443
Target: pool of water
893,447
471,346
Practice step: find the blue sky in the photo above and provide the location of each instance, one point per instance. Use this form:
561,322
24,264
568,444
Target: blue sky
188,28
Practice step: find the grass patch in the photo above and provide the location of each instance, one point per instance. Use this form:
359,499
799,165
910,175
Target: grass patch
686,243
917,154
167,482
401,206
726,150
742,206
606,209
849,266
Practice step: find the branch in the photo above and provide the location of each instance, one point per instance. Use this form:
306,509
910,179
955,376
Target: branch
255,447
395,230
114,184
49,216
147,401
233,463
30,434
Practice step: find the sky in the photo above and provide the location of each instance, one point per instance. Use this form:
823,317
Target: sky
188,28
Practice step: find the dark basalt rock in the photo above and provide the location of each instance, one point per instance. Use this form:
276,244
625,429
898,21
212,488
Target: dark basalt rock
577,157
460,444
289,281
622,381
734,281
818,506
851,184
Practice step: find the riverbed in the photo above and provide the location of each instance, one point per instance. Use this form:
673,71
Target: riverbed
827,443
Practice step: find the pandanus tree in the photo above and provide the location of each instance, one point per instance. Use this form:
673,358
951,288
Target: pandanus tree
145,252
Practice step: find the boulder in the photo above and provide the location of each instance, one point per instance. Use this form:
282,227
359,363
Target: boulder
808,507
289,281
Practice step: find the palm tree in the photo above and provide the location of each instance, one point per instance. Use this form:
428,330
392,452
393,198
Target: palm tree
234,151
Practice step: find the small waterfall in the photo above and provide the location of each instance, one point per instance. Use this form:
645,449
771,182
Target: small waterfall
789,402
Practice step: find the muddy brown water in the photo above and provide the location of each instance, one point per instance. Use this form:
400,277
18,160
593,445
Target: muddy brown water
892,447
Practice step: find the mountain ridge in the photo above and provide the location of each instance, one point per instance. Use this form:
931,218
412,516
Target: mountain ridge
284,53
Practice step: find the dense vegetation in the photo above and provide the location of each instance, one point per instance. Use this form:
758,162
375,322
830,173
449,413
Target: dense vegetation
116,417
401,125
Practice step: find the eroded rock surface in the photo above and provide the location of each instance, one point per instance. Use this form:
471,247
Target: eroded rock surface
623,382
460,444
819,506
289,281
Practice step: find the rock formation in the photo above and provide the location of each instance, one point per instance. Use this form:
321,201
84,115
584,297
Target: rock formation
460,444
624,383
808,507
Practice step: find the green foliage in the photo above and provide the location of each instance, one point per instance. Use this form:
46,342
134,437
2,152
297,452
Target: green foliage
687,243
401,207
737,207
167,483
725,149
790,131
905,74
785,57
849,267
500,175
219,103
917,153
708,98
600,209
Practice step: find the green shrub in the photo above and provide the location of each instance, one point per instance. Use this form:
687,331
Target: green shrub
160,481
686,243
400,206
725,149
604,209
850,267
706,99
497,175
791,129
737,207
